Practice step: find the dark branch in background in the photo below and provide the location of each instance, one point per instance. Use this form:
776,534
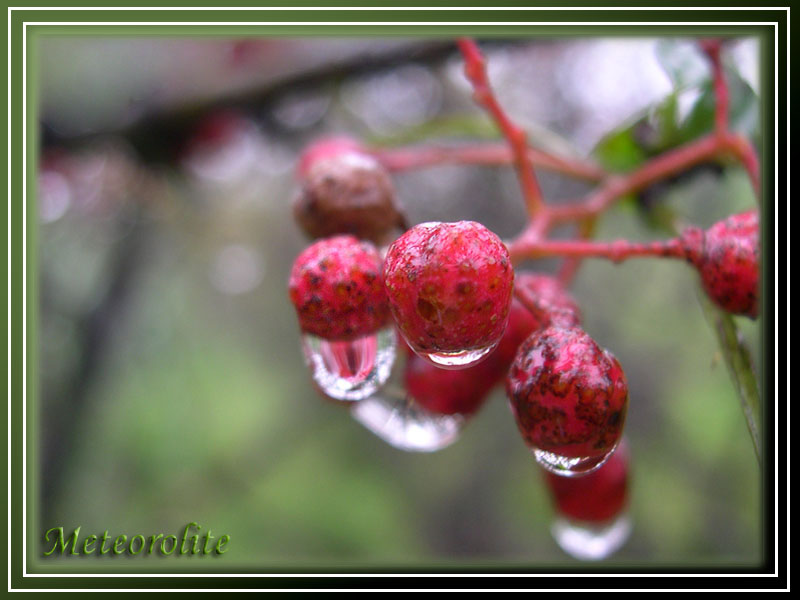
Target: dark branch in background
158,138
61,417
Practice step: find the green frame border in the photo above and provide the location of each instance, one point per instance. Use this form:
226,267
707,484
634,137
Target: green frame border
20,180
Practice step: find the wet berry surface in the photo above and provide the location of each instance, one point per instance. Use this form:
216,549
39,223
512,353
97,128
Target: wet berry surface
450,286
337,289
729,263
568,395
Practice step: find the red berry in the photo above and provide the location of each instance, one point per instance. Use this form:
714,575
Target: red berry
446,391
729,263
449,286
547,300
337,289
568,395
345,190
521,323
597,497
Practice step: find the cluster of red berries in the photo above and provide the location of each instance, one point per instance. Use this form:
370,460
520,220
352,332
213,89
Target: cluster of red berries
449,293
448,289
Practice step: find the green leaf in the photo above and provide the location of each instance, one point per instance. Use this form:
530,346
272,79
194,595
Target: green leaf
740,366
620,151
744,111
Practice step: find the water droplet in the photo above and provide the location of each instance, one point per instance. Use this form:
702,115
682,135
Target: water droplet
458,360
399,421
351,370
570,466
591,541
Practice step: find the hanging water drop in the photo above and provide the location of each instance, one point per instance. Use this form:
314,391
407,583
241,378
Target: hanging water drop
458,360
592,520
570,466
591,541
351,370
401,422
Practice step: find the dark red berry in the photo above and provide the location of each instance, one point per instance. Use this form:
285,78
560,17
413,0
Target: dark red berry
597,497
568,395
336,287
547,300
449,286
728,261
521,324
446,391
343,191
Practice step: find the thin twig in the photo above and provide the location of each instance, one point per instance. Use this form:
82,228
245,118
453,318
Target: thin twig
419,157
475,70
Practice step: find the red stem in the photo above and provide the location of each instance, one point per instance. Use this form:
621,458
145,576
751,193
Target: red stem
617,251
660,167
741,147
475,70
416,157
571,265
712,49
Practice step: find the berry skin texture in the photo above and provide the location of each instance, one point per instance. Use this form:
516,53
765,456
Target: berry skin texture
568,395
729,263
547,300
597,497
337,289
449,286
344,190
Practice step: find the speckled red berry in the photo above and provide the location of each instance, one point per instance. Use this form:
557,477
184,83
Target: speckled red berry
336,287
344,191
449,286
597,497
568,395
728,261
547,300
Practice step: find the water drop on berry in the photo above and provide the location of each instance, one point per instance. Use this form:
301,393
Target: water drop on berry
401,422
592,519
458,360
591,541
570,466
352,369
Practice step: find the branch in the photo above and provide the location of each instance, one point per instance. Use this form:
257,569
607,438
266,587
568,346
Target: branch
420,157
475,70
616,251
571,265
722,95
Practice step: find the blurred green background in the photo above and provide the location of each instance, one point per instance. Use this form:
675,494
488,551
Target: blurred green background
172,385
